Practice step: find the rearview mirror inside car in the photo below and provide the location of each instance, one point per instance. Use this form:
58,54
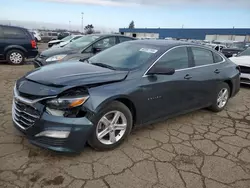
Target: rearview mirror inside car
161,70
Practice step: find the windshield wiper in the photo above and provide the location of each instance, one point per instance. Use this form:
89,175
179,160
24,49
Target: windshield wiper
104,65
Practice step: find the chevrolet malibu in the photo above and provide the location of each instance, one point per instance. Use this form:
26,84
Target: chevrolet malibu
64,106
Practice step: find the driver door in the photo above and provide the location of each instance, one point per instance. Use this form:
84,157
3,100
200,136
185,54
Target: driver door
165,95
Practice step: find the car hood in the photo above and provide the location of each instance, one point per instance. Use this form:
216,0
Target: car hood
54,41
74,73
241,60
57,51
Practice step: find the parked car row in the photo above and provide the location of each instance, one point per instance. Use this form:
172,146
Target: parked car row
105,85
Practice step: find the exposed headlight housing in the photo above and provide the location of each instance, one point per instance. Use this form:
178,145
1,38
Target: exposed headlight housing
56,58
66,102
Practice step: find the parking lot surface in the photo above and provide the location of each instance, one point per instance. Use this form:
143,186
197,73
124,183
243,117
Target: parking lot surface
198,150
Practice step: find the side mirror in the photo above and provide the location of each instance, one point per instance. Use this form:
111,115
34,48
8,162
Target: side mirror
96,50
161,70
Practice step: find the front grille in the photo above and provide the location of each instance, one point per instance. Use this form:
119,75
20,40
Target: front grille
24,115
51,141
244,69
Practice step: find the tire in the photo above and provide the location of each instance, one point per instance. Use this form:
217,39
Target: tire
216,107
109,111
15,57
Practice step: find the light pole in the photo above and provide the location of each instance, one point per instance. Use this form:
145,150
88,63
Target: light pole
69,25
82,22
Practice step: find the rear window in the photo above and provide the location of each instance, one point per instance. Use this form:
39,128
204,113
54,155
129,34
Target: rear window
13,33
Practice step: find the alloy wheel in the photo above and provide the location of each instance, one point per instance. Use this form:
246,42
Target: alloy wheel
222,97
111,127
16,58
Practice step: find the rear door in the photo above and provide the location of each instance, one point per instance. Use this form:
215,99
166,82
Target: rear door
2,43
206,74
16,36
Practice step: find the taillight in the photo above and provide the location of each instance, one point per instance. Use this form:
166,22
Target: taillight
33,43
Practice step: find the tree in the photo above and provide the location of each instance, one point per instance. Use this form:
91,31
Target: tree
89,29
131,25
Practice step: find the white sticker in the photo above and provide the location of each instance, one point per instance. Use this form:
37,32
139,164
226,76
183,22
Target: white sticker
148,50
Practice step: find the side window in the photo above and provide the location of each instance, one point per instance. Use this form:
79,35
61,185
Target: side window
105,43
13,33
217,58
176,58
124,39
202,56
88,50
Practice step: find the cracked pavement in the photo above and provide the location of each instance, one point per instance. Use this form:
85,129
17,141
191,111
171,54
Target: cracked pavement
197,150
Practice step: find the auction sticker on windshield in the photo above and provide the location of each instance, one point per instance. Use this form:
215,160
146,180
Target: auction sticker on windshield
148,50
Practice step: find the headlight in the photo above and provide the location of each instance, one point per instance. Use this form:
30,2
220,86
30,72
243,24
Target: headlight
56,58
66,102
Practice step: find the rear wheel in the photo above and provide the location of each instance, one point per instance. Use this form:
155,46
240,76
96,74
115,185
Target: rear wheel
221,98
15,57
111,126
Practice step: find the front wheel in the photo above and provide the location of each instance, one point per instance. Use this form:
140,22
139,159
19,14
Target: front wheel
222,97
111,126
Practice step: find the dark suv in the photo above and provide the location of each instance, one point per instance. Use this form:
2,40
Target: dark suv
16,44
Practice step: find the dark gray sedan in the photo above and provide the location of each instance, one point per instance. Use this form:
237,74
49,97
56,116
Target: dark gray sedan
64,106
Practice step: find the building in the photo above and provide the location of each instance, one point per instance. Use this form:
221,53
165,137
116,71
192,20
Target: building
241,34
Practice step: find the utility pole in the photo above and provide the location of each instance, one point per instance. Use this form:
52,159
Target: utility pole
82,22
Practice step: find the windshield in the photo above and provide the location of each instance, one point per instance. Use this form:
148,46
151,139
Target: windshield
125,56
67,38
83,41
245,53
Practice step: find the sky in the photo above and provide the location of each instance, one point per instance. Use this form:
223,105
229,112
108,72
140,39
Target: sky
114,14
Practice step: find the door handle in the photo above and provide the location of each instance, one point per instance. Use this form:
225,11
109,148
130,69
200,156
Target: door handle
217,71
187,77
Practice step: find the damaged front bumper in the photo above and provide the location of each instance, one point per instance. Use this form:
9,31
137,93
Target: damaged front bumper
56,133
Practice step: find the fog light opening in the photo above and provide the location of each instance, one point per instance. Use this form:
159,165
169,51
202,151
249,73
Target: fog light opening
54,134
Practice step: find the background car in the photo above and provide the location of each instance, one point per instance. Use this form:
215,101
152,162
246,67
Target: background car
234,49
63,41
37,35
81,48
217,47
16,44
63,35
48,36
243,60
99,100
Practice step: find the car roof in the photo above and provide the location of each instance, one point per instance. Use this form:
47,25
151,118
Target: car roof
10,26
